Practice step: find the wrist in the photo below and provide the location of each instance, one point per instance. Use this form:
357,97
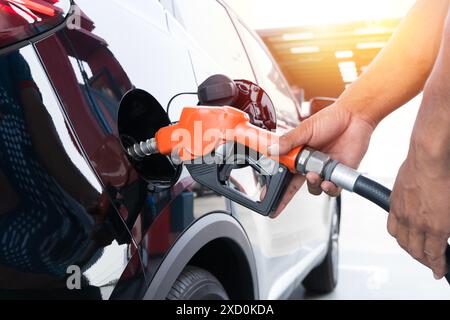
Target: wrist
357,111
430,151
431,135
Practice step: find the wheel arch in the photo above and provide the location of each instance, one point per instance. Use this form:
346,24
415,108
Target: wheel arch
217,243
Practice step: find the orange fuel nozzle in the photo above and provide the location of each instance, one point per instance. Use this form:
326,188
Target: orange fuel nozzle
201,130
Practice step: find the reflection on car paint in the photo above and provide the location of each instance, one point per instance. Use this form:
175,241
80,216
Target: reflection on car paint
52,216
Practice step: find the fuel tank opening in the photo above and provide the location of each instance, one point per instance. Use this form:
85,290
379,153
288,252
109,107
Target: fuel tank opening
140,117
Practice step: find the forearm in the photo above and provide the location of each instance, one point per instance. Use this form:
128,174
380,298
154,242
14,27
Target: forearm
401,69
420,206
431,135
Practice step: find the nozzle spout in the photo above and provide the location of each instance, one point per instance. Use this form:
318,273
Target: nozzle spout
143,149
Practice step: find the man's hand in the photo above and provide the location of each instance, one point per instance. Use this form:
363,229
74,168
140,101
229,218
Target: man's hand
335,131
344,129
420,209
420,202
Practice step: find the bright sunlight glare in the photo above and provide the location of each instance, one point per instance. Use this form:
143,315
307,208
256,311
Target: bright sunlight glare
267,14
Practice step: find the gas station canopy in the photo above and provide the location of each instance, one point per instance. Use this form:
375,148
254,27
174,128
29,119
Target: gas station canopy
322,60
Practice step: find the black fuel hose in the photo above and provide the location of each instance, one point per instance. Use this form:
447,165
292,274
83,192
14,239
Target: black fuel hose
381,195
373,191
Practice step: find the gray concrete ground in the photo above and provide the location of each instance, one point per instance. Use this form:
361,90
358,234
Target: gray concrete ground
372,266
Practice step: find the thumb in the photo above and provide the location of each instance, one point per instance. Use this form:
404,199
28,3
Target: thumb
299,136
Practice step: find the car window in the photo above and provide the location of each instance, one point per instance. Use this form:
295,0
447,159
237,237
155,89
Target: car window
270,78
208,22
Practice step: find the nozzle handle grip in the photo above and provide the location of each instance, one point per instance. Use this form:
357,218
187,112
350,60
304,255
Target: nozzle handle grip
260,140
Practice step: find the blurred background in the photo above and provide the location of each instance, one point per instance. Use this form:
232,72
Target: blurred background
322,46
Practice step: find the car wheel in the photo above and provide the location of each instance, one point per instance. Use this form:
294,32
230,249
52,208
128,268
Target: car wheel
323,279
197,284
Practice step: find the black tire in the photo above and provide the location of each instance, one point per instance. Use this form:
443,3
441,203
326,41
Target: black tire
197,284
324,278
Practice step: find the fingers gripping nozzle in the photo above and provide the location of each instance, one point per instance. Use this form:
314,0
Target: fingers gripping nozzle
141,150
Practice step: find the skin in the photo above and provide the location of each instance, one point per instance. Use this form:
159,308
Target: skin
420,214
